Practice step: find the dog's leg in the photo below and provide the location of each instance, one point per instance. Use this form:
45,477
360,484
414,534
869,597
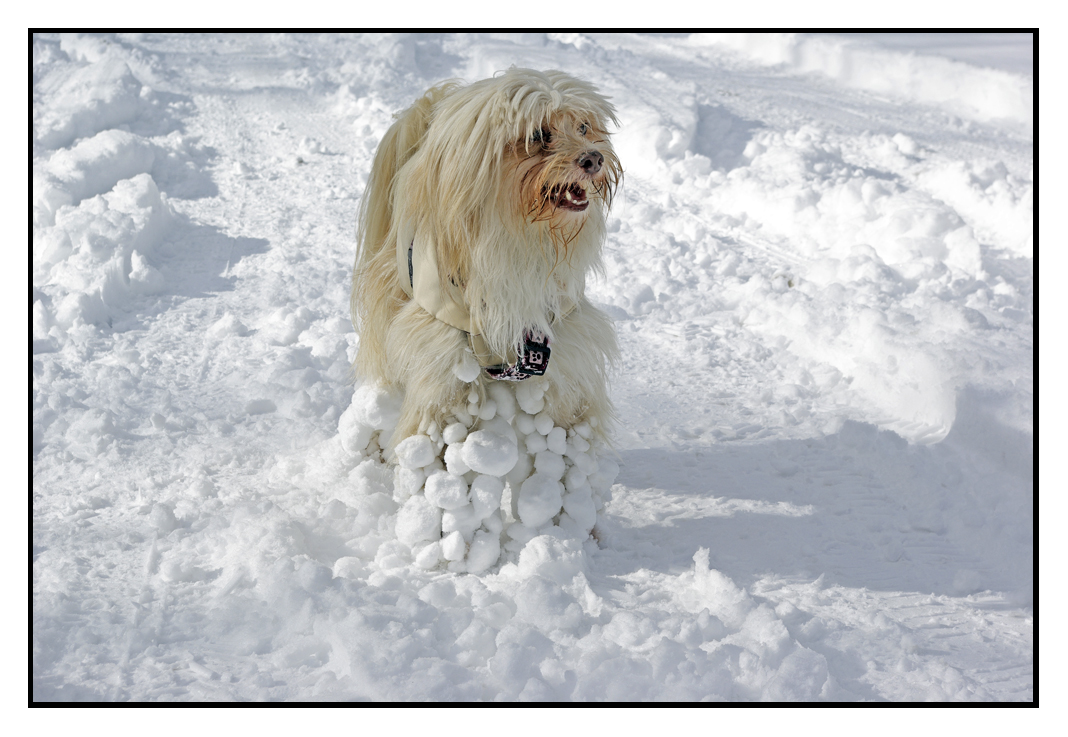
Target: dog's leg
423,352
584,346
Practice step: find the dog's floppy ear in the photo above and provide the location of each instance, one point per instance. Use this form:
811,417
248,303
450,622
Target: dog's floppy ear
400,143
372,298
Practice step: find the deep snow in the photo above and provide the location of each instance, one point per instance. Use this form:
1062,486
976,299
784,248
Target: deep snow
821,271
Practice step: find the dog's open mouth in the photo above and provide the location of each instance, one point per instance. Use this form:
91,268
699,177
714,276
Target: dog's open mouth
572,197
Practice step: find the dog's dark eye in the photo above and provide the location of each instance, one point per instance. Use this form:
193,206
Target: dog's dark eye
583,128
542,136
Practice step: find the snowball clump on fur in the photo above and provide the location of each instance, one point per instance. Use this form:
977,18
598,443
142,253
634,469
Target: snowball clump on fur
486,487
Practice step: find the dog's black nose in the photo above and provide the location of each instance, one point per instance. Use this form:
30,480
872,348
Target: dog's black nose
590,161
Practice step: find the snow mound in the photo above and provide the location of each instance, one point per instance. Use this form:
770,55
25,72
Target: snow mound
88,99
980,93
99,252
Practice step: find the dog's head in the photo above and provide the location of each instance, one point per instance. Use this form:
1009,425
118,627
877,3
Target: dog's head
562,158
533,146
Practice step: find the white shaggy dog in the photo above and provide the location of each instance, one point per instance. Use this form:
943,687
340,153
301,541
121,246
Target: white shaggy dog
483,215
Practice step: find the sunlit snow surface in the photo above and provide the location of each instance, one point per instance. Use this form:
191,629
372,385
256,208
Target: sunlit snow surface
820,266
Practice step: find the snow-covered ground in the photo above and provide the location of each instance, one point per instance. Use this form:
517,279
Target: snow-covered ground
821,271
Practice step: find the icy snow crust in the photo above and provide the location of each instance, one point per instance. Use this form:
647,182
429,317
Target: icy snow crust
821,272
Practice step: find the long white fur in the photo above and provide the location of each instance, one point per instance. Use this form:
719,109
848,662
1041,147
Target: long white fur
452,167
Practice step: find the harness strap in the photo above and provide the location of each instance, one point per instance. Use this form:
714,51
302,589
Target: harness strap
445,301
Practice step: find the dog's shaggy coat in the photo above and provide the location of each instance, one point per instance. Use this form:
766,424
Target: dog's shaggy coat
509,180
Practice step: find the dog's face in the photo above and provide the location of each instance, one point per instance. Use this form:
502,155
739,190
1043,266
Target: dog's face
524,151
559,166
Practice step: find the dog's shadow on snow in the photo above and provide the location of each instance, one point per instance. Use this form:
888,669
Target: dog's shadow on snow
862,508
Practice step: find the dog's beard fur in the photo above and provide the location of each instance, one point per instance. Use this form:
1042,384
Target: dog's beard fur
553,187
501,176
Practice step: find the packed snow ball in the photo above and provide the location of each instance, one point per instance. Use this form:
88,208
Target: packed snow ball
474,493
